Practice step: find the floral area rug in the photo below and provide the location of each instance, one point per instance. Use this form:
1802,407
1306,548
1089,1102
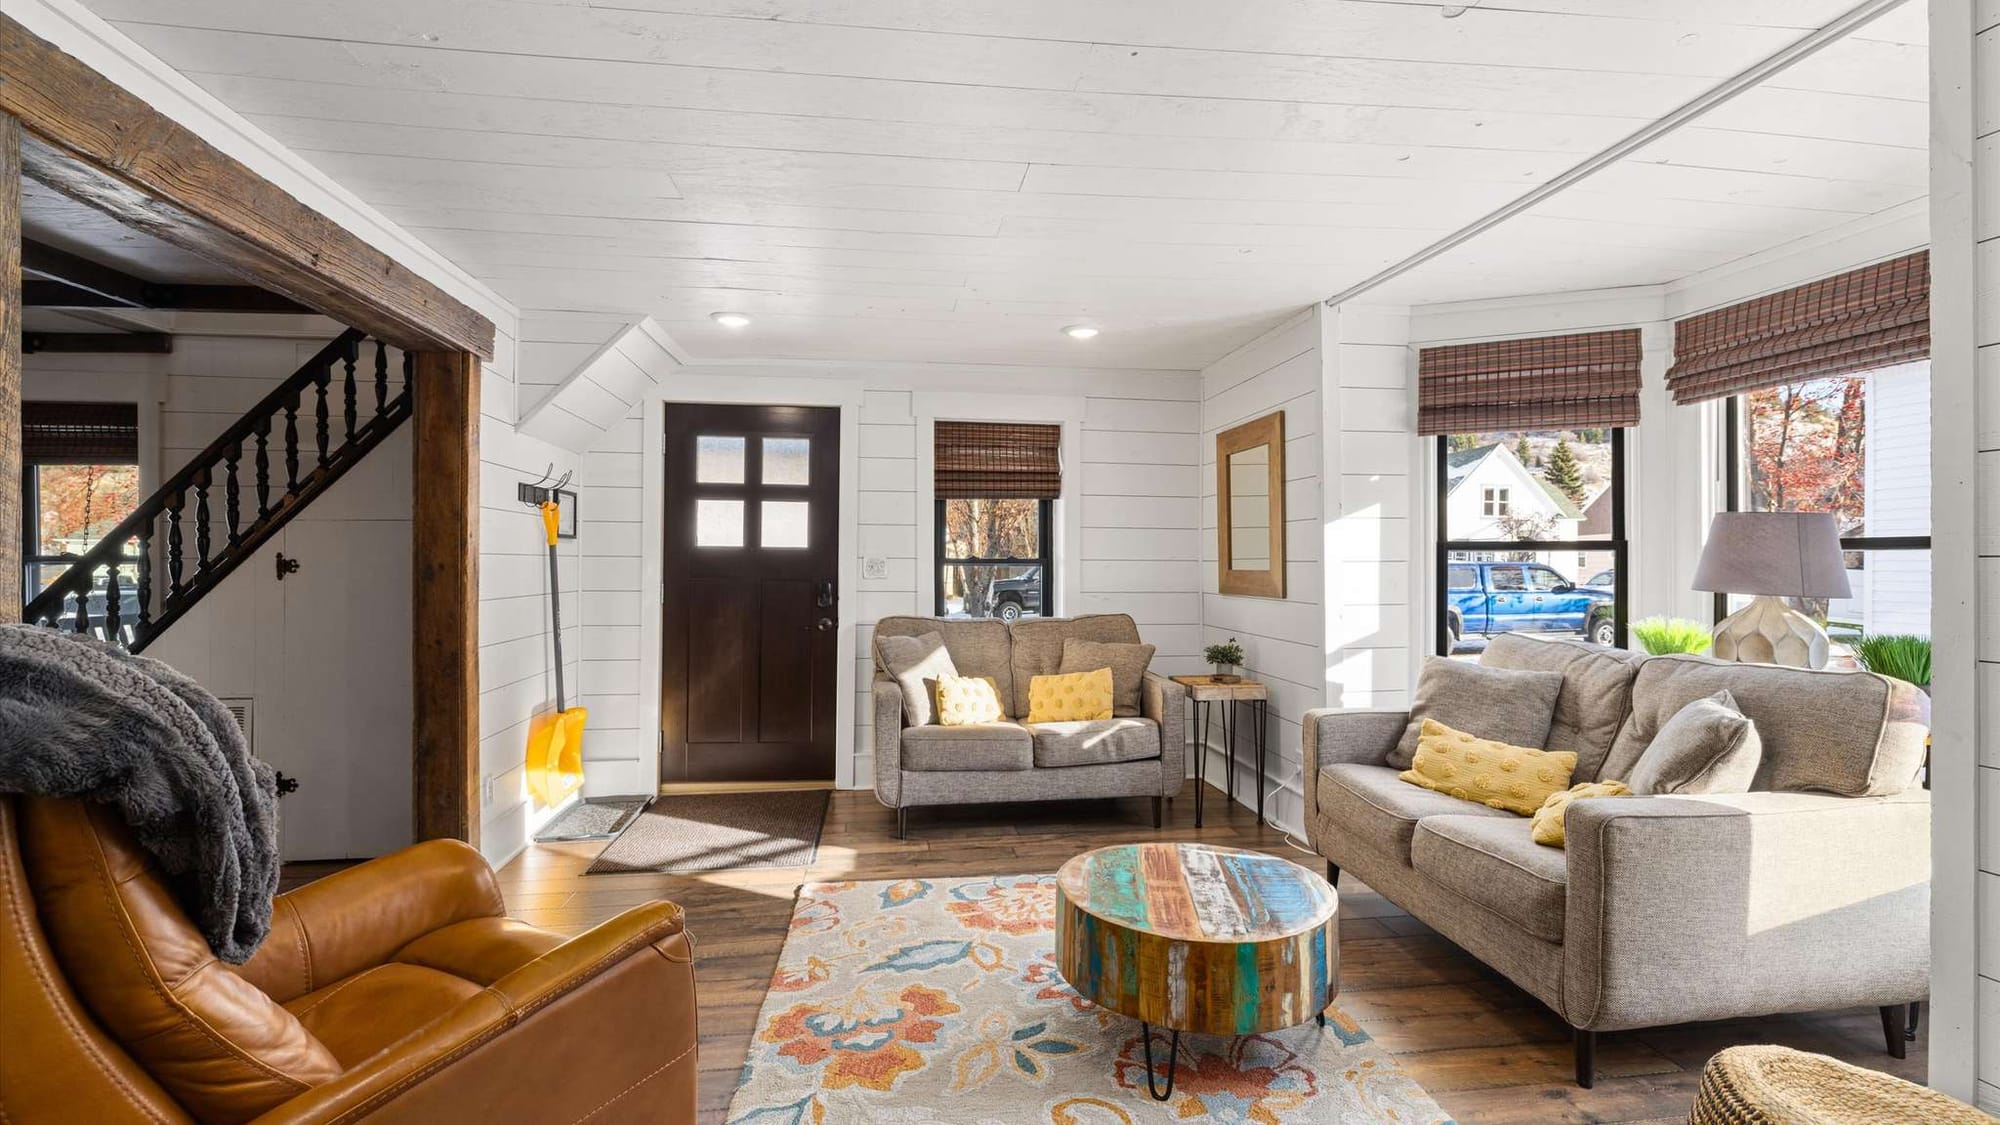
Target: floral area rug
920,1001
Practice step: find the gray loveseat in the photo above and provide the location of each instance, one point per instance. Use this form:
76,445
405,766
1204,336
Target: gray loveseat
1141,755
1811,892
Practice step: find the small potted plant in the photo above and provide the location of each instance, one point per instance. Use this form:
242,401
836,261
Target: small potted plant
1661,635
1226,657
1901,655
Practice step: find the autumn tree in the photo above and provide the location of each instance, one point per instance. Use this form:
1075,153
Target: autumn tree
1564,472
77,504
988,529
1805,448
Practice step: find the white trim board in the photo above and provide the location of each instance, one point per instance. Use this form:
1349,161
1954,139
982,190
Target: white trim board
683,387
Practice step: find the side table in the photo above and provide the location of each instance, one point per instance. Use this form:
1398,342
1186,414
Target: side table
1204,692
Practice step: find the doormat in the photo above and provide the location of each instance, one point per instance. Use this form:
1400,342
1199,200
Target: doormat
600,819
694,832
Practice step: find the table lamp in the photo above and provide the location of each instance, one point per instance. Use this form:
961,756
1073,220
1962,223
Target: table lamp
1772,555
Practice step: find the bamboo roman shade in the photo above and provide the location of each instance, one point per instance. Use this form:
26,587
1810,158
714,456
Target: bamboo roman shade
998,460
1862,319
79,433
1544,383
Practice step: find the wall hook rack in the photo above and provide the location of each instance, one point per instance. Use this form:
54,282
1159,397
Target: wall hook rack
536,494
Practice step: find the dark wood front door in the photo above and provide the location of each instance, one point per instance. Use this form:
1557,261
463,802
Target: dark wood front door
751,613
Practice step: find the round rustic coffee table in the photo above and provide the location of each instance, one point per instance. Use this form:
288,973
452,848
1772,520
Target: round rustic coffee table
1199,939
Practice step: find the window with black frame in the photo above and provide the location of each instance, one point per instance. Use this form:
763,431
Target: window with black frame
1826,396
79,480
1530,477
1857,446
996,486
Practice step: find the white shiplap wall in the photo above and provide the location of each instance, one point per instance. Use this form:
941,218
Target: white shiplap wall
1965,498
1373,510
1138,524
1283,640
516,661
324,655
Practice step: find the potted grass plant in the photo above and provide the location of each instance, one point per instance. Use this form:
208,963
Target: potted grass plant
1902,655
1227,657
1662,635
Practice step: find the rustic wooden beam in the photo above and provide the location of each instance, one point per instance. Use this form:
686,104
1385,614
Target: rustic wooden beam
10,368
160,295
92,140
444,472
97,343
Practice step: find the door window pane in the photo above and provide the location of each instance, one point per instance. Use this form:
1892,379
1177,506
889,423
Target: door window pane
787,460
718,523
718,460
784,523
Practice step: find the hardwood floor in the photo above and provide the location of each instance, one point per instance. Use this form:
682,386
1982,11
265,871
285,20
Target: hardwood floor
1485,1050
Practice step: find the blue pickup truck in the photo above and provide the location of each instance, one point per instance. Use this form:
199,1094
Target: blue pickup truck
1486,598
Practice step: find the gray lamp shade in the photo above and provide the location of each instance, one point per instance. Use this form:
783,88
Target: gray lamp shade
1784,554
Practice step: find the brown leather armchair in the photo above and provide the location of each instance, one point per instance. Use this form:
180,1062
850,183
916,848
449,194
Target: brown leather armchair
395,991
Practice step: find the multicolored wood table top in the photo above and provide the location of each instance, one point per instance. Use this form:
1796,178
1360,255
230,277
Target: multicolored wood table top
1198,938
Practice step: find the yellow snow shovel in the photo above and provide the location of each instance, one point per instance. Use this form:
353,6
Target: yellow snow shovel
555,739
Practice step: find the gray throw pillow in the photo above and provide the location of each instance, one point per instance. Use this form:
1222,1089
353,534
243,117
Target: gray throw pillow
1707,746
1507,705
1128,669
911,661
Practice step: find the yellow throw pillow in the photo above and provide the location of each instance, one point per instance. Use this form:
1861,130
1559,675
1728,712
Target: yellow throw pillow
964,700
1513,778
1548,827
1061,699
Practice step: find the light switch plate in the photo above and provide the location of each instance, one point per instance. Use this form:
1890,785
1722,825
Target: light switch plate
874,566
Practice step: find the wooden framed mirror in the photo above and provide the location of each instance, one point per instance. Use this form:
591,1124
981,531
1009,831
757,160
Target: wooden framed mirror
1250,508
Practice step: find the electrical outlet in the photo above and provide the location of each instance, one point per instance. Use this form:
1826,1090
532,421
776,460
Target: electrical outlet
875,567
486,791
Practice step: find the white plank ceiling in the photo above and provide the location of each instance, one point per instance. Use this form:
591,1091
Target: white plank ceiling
955,180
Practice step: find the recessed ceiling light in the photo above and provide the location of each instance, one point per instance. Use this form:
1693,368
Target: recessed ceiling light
730,319
1079,331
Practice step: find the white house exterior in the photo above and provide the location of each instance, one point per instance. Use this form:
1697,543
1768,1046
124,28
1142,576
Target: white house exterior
1892,592
1487,484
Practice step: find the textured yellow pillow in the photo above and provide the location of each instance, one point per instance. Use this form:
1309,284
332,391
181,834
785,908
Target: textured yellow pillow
1548,827
1061,699
1513,778
964,700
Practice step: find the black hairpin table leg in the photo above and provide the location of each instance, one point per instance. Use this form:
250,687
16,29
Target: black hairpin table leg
1173,1060
1200,756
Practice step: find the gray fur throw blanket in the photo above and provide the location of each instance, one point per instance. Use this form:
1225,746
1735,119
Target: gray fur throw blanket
82,718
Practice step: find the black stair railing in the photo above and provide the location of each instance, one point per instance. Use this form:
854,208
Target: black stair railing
206,520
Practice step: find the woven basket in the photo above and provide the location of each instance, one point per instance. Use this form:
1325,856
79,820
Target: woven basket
1780,1086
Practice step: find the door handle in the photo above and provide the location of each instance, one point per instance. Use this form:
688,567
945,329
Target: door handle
825,624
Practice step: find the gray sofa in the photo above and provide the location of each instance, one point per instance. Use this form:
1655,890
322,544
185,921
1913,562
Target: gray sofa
1141,755
1811,892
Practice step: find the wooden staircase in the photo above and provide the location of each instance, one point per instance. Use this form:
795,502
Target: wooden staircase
212,515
